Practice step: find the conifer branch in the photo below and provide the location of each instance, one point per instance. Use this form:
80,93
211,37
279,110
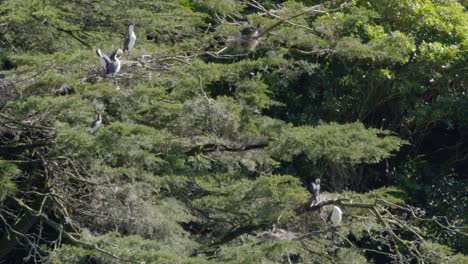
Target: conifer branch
211,147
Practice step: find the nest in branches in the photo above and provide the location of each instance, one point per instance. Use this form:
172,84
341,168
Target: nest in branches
7,91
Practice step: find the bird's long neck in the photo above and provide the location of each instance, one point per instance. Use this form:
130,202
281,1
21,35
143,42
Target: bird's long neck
115,57
337,210
99,118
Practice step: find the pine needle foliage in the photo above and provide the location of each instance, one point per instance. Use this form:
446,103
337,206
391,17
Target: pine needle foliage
205,154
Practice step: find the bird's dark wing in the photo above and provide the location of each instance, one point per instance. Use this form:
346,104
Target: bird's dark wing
111,67
94,123
248,30
112,54
329,216
315,190
127,41
312,187
108,61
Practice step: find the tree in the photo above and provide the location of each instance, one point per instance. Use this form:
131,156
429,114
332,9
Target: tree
204,157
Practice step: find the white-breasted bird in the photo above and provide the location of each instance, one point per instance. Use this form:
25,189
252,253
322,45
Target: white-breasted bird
111,61
336,215
96,124
130,40
314,188
104,58
114,66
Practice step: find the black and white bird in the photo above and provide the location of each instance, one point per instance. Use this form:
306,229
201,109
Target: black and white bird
314,188
112,64
245,43
335,216
96,124
106,60
249,38
130,40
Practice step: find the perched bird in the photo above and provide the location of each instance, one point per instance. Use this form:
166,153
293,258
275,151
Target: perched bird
314,188
335,216
114,66
246,42
96,124
110,64
130,40
103,59
248,39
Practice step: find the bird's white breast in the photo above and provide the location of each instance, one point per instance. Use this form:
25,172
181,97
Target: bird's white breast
336,216
117,69
132,40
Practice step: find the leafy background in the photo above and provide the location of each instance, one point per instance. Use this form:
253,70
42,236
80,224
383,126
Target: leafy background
199,156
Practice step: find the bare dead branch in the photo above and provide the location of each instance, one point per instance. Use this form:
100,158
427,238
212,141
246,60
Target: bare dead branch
59,228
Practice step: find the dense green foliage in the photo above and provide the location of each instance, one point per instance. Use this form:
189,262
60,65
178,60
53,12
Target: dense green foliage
205,157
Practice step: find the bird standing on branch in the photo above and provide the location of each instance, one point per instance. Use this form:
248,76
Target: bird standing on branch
96,124
245,43
248,38
114,66
130,40
111,65
314,188
103,59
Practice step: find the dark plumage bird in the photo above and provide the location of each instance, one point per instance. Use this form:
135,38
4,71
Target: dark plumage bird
130,40
104,59
249,31
246,42
114,65
248,38
96,124
314,188
110,64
